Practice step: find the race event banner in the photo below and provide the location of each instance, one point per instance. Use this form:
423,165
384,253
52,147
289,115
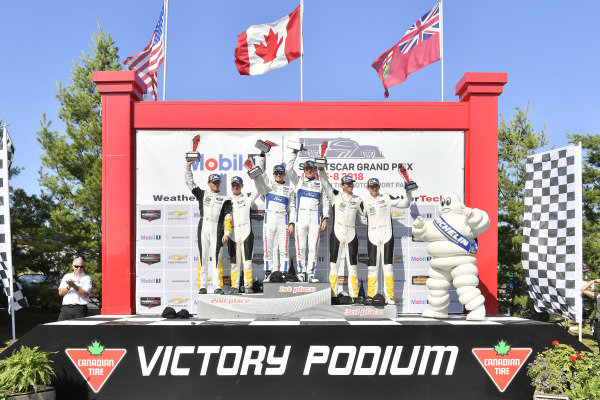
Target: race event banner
167,212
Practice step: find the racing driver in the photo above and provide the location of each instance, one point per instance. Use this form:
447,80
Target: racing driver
380,237
280,204
241,242
312,212
214,227
347,207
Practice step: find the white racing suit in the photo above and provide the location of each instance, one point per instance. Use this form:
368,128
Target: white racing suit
380,242
215,221
280,203
311,197
342,239
241,242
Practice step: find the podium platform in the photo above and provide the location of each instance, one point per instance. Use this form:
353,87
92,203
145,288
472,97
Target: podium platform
407,357
284,301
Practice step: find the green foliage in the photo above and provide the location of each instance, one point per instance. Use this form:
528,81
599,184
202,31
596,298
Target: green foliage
36,247
589,390
591,201
71,173
25,370
517,140
591,210
43,296
562,369
502,348
523,306
95,348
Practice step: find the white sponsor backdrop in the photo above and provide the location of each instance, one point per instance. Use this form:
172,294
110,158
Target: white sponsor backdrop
167,213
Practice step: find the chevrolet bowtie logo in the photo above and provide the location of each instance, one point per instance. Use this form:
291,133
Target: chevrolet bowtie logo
176,257
177,300
177,213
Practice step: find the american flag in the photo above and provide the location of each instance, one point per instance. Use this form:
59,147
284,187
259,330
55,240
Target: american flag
147,61
425,27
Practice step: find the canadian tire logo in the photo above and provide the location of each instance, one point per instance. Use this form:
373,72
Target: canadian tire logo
501,362
96,363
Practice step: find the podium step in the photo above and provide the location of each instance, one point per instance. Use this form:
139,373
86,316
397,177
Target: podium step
284,301
290,289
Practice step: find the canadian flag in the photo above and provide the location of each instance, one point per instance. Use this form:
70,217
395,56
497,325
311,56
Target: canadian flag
265,47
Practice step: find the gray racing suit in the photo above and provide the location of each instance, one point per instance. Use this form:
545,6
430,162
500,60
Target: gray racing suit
215,221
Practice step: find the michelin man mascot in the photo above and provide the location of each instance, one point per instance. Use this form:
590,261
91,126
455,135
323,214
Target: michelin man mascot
453,241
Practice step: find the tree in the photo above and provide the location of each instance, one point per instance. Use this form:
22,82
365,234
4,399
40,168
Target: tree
591,205
71,173
516,141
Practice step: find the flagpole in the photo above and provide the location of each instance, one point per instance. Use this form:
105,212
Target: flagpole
579,184
442,43
301,50
164,91
11,272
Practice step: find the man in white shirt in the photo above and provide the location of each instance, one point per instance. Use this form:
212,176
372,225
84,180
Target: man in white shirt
75,288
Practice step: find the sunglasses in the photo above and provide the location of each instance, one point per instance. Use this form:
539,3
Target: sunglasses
79,266
278,173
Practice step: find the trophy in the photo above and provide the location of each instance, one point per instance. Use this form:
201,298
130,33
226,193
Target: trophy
295,146
321,162
410,185
264,146
254,171
193,155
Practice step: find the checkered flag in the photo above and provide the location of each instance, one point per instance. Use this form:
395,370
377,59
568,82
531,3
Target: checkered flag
6,273
20,300
552,232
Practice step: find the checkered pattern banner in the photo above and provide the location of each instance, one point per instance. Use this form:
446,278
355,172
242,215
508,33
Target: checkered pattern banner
20,300
6,272
552,232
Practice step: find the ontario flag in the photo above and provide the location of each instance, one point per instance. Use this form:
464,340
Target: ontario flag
262,48
419,47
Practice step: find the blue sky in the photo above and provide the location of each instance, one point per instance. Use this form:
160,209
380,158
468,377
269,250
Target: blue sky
548,48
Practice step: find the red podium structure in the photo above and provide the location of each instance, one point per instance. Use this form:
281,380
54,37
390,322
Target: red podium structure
266,358
123,113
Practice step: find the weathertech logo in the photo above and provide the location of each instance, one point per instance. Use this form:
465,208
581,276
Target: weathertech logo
150,215
501,362
96,363
150,258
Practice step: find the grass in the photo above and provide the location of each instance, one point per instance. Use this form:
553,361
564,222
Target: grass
25,320
586,337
